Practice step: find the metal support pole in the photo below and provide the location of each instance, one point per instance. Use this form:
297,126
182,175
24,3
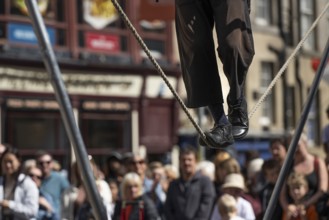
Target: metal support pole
293,145
63,100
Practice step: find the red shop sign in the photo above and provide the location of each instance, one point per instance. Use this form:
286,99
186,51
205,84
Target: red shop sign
102,42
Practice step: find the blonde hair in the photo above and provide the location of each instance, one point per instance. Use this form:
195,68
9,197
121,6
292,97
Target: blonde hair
297,179
129,179
171,171
227,205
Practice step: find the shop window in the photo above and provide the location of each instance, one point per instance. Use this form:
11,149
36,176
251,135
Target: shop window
111,131
36,131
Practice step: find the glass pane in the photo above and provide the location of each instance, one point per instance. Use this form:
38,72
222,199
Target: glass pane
114,134
34,133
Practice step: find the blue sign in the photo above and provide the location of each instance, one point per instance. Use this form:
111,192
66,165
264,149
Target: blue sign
24,33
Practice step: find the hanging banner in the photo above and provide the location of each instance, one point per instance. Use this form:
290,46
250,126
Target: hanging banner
20,5
99,13
157,10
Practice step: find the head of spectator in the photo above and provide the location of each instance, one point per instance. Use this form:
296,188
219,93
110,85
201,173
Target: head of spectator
28,164
207,168
131,187
271,169
187,162
113,184
228,166
57,166
126,158
254,173
113,164
249,156
278,148
11,163
298,187
35,174
45,163
138,164
171,172
157,171
227,206
234,185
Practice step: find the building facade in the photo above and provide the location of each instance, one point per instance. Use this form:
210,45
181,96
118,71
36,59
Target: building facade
119,100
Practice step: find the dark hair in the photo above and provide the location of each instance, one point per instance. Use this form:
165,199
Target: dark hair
271,164
14,151
188,150
42,153
283,140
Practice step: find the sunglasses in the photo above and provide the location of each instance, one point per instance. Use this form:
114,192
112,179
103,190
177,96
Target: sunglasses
41,163
33,175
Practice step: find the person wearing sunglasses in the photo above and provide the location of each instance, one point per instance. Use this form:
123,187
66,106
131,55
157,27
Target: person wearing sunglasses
18,193
53,182
46,203
138,164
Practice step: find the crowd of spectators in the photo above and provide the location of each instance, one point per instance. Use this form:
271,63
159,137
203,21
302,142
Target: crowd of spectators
132,187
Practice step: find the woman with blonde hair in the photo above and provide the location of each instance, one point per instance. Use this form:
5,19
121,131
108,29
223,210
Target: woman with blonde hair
134,204
315,172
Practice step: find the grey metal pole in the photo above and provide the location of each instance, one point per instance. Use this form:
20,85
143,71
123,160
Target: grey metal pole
293,145
63,100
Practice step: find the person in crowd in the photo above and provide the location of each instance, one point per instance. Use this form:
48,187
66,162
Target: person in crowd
157,193
113,166
192,195
270,169
18,193
138,164
75,203
171,173
255,183
194,23
316,175
28,164
234,185
278,149
298,188
114,187
249,155
46,203
228,166
134,204
207,168
53,183
227,207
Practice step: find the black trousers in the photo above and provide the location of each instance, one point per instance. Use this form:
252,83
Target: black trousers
195,20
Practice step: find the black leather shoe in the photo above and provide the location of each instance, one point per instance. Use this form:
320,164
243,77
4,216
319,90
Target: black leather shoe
238,117
219,137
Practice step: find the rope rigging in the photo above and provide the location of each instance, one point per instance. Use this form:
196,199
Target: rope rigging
164,77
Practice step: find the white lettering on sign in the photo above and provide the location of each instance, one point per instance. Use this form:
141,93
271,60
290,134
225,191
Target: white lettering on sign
24,35
102,44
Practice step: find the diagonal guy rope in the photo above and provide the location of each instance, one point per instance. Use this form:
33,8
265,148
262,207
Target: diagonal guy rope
285,65
158,68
